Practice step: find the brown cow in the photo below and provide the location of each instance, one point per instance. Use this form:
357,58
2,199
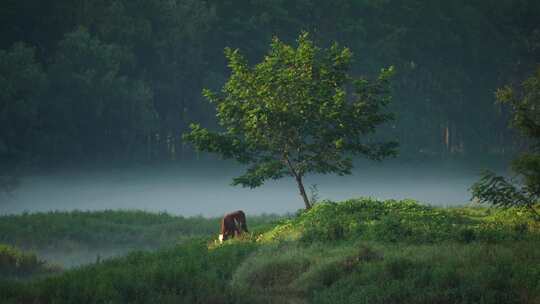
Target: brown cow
232,225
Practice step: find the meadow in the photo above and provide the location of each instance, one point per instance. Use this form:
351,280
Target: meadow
356,251
79,237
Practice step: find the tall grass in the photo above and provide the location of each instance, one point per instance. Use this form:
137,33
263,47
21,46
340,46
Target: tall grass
444,273
365,272
187,273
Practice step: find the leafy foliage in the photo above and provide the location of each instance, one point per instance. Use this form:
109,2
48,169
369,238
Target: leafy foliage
89,89
497,190
524,103
399,221
294,114
113,68
170,50
22,82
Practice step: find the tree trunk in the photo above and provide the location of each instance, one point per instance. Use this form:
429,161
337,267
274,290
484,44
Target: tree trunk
298,176
303,191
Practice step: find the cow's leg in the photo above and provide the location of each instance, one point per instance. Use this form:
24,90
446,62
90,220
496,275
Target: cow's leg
236,230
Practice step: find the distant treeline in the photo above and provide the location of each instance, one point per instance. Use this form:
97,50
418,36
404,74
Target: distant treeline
104,80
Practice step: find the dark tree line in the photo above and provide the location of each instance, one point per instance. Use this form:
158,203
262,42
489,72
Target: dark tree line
105,80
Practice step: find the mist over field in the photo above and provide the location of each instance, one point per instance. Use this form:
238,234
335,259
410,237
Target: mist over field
203,188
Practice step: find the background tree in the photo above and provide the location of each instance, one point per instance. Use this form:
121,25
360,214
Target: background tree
22,81
450,55
296,112
525,192
103,111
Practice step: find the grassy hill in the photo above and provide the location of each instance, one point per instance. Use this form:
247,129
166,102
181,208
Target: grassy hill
357,251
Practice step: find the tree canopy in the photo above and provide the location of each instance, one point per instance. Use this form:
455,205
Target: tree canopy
524,189
448,56
299,111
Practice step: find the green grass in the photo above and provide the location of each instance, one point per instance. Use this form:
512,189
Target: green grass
187,273
404,221
103,228
365,272
75,238
358,251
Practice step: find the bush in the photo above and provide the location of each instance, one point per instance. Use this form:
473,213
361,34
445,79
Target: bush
403,221
18,264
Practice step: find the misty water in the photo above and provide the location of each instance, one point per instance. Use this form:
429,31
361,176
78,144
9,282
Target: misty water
203,188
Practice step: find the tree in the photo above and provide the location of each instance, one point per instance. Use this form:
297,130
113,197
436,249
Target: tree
168,42
22,80
94,108
525,192
296,112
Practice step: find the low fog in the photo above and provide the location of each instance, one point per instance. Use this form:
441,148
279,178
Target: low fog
203,188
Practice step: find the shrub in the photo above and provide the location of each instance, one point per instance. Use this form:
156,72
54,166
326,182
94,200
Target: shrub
19,264
403,221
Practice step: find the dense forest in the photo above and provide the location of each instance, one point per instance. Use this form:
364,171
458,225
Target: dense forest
95,80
